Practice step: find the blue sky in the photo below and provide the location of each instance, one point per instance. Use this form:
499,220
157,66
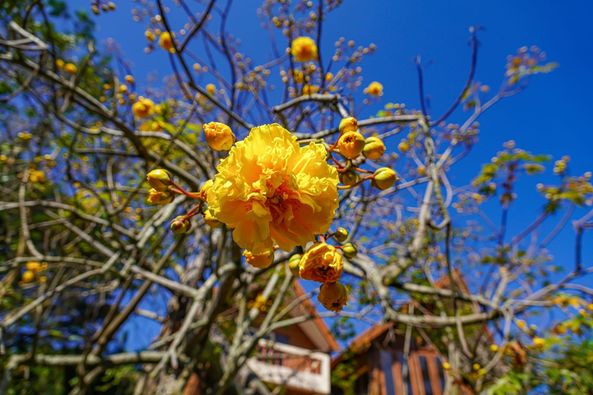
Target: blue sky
551,116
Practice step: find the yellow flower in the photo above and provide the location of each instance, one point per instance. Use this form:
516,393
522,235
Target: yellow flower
70,68
166,42
210,220
219,136
374,89
373,148
28,276
261,260
333,296
351,144
303,49
270,190
143,107
24,136
310,89
37,177
321,263
539,342
35,267
384,178
211,89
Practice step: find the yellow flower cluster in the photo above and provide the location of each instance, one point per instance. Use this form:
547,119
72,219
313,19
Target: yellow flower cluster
33,270
270,191
143,107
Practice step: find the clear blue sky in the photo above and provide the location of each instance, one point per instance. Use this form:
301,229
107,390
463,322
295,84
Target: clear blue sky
551,116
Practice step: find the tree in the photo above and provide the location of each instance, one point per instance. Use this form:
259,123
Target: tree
86,255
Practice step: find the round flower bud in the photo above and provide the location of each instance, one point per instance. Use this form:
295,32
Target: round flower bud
166,42
293,264
446,365
261,261
35,267
70,68
384,178
333,296
219,136
28,276
348,124
321,263
403,146
180,225
159,179
349,250
351,144
303,49
143,107
149,35
374,89
373,148
159,197
349,178
341,234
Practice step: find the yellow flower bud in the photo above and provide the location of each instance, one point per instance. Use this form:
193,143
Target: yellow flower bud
374,89
28,276
211,88
349,178
180,225
539,342
476,366
373,148
159,179
159,197
70,68
149,35
521,324
60,63
341,234
384,178
494,347
310,89
321,263
35,267
24,136
446,365
333,296
303,49
349,250
403,146
123,88
166,42
219,136
261,261
293,264
129,79
37,177
351,144
143,107
348,124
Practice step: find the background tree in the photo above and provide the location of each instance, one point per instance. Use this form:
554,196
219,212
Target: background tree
84,254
